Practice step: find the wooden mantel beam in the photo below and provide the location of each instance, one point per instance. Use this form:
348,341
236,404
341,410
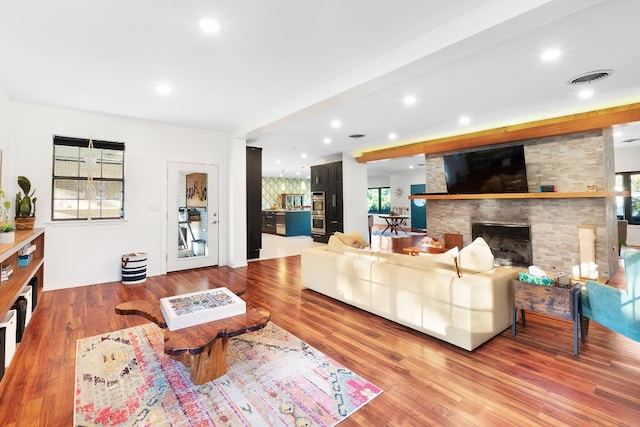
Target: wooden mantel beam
574,123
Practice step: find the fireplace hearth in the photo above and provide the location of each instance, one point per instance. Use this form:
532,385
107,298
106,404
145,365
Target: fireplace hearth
510,243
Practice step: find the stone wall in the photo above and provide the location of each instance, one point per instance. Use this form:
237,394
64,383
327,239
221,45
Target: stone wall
571,163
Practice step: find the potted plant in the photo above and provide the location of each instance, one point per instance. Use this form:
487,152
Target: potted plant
7,228
25,205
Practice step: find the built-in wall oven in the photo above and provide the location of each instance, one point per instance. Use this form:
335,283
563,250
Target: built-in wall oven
317,203
318,225
318,218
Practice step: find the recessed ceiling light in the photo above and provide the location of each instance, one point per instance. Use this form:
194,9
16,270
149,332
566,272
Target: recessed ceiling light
336,124
585,93
409,100
209,25
327,140
464,120
618,133
410,166
393,136
277,162
550,55
303,155
163,89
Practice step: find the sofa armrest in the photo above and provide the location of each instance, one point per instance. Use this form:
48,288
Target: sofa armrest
489,290
319,270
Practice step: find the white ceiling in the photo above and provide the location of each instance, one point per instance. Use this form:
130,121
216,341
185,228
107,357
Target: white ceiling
280,71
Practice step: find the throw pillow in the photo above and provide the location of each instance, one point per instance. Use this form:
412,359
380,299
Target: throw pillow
476,257
429,262
353,239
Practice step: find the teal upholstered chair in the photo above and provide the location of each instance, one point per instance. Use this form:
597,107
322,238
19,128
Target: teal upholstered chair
618,310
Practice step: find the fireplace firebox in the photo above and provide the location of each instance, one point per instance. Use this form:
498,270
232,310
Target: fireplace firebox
510,243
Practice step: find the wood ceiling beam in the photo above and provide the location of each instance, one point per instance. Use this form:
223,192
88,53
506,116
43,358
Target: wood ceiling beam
574,123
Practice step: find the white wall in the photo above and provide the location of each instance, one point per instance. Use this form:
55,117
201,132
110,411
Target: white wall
88,253
5,135
628,160
354,189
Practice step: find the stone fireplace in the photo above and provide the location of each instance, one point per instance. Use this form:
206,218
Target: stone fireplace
570,162
510,243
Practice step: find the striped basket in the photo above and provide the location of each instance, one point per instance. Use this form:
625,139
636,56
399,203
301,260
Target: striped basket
134,268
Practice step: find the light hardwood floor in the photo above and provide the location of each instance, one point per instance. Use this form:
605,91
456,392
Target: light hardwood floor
527,380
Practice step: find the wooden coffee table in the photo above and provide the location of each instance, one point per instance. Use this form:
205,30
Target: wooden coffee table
415,250
201,348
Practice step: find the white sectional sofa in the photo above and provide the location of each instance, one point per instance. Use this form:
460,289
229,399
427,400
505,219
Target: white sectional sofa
424,293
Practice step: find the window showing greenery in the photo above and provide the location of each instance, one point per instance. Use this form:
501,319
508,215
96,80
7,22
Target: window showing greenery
628,207
379,200
72,160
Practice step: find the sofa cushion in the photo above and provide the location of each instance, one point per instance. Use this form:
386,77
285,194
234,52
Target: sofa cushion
475,258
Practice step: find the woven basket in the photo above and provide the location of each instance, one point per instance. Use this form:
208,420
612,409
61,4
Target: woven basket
25,223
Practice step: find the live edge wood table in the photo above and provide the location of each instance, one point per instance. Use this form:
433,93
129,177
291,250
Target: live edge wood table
201,348
416,250
555,301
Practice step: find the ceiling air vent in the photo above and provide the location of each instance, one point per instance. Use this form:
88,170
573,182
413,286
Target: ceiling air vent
631,140
590,76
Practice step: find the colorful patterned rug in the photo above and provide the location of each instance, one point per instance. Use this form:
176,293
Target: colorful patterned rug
123,378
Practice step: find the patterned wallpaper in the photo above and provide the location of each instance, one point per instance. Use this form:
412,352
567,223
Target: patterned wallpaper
273,188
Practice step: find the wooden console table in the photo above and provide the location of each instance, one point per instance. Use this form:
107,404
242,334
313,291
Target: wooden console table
564,303
201,348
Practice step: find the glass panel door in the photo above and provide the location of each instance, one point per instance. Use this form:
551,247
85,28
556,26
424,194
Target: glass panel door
193,216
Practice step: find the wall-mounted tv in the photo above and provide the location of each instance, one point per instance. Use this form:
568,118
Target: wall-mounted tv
497,170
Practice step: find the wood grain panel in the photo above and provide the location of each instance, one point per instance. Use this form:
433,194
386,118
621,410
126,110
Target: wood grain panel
564,125
532,379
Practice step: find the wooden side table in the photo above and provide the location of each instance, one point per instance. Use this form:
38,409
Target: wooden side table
564,303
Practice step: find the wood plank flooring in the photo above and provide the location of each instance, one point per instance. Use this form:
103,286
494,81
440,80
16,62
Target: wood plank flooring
531,379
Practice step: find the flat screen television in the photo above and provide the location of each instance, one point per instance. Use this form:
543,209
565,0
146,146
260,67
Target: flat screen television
497,170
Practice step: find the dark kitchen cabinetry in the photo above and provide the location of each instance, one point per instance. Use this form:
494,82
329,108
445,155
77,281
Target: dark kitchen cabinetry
269,222
328,178
319,178
254,202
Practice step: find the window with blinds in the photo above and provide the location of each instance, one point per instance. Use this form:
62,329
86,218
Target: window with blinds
87,183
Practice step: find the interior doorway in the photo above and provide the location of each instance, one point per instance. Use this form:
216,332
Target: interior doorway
192,225
418,209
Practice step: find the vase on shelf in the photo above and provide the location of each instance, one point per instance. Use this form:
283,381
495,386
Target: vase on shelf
7,237
25,223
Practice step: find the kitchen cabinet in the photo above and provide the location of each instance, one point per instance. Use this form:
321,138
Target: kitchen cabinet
287,223
254,202
319,178
328,178
269,222
289,201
